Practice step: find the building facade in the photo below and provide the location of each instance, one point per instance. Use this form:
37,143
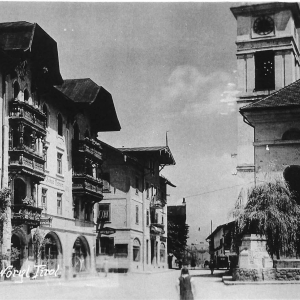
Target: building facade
267,61
132,218
50,158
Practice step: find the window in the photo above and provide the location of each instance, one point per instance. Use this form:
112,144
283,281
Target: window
59,125
44,198
26,95
147,252
291,175
137,214
104,213
87,212
147,218
106,182
45,111
76,132
147,190
136,250
162,219
16,89
156,218
59,203
75,208
136,185
59,163
45,157
87,134
121,250
264,71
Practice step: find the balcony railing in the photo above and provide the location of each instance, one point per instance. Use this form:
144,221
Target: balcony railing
26,162
25,111
86,184
26,214
89,147
158,230
157,201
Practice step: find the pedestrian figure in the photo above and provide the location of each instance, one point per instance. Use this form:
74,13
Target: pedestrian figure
186,285
212,266
105,266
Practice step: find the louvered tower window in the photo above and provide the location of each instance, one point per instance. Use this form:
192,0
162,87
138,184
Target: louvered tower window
264,71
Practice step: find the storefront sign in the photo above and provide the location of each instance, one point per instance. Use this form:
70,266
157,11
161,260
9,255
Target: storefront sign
46,222
106,231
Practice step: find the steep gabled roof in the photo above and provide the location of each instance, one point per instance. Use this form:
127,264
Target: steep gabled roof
30,38
85,92
288,96
164,153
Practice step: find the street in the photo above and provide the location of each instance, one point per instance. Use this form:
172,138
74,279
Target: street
143,286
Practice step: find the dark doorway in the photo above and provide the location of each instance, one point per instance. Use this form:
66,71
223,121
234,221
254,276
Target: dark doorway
292,176
16,259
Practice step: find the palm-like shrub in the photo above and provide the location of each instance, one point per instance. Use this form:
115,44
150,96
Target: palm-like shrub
271,211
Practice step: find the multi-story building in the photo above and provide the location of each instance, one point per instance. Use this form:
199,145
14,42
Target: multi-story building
267,61
50,158
132,218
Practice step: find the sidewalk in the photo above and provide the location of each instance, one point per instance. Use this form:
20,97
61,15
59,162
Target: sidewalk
227,280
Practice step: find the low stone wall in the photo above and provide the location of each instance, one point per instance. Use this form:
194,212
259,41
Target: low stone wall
266,274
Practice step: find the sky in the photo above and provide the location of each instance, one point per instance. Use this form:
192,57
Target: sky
170,67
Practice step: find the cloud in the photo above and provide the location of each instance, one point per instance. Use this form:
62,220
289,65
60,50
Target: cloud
188,92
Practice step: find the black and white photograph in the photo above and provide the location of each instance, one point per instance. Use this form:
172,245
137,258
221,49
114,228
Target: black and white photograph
149,150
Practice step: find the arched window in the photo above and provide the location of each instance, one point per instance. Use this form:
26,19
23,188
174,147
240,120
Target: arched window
291,134
26,95
76,132
292,176
16,89
59,125
45,111
136,250
162,252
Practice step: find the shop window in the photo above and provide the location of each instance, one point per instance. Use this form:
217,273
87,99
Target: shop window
16,89
136,250
107,245
59,125
121,250
59,203
264,71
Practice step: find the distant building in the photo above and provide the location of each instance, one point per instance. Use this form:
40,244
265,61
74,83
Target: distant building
134,207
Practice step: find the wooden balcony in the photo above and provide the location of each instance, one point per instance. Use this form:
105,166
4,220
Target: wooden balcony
157,229
88,185
26,214
26,162
88,147
29,115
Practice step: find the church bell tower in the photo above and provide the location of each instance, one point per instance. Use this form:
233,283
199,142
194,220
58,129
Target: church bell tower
267,60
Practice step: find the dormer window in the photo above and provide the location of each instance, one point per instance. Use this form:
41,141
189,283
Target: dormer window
26,95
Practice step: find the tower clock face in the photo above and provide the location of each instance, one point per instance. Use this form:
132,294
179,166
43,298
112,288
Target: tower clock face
263,25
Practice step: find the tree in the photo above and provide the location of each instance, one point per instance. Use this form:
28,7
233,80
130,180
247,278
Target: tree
272,212
177,236
39,242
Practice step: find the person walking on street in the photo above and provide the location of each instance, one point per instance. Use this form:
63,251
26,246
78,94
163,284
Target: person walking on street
185,285
212,266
